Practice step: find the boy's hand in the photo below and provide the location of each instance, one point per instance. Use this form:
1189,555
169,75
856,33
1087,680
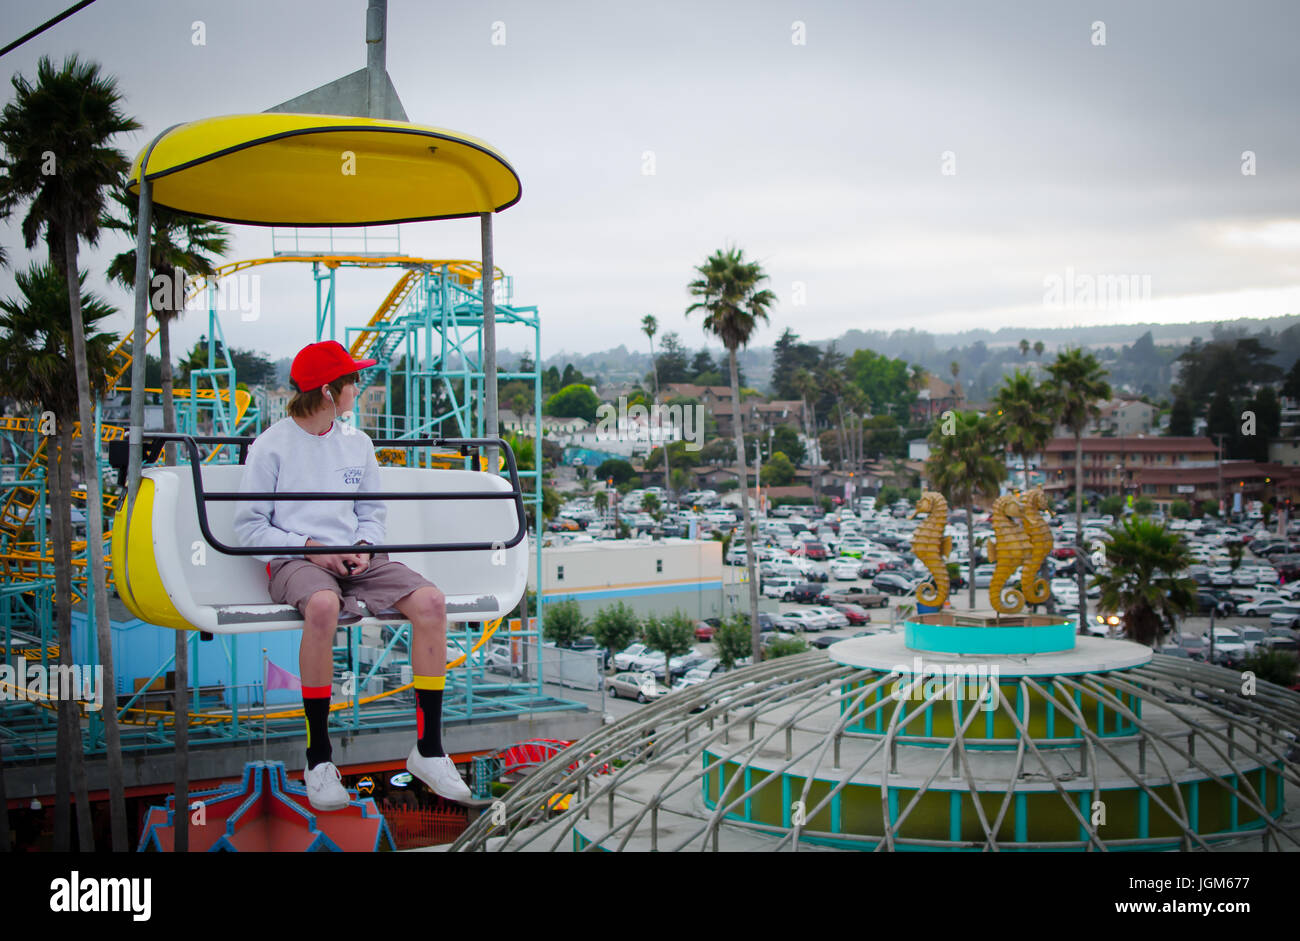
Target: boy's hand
331,562
356,563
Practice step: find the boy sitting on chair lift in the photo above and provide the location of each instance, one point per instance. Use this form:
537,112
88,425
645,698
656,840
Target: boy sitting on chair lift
310,451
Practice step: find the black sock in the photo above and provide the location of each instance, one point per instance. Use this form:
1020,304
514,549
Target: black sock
428,722
317,710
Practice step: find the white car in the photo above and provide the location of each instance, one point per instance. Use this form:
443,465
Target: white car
845,569
1262,606
834,618
1253,637
800,621
624,659
780,587
1228,643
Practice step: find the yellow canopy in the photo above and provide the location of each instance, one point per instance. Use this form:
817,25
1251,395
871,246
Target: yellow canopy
324,170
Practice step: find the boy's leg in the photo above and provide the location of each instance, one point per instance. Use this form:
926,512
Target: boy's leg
426,609
316,665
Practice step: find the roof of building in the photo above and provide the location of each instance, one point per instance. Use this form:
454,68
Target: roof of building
1138,443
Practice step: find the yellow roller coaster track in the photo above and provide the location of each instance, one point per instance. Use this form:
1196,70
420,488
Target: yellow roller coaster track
464,270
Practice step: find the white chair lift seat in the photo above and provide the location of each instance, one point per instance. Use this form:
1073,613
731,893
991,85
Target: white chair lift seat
176,579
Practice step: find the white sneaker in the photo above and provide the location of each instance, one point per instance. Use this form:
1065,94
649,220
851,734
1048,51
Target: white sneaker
325,787
439,773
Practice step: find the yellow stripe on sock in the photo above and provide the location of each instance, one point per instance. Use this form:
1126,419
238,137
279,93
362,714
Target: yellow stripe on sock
430,682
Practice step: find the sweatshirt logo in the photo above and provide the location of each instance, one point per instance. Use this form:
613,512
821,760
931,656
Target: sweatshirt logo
352,475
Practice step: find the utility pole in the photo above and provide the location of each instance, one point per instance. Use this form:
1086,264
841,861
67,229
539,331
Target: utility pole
1219,464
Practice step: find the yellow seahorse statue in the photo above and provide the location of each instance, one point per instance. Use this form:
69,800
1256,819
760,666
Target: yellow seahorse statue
1007,552
931,546
1035,588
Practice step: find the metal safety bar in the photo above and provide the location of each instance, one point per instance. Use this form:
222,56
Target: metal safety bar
464,445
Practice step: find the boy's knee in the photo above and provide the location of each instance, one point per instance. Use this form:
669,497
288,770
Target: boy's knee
429,604
322,609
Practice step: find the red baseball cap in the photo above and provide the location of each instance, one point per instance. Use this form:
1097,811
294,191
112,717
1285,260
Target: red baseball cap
323,362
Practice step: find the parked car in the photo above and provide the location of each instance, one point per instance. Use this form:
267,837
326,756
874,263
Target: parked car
624,659
800,621
854,612
893,583
860,596
807,593
1205,601
781,587
845,569
833,617
704,630
639,686
1196,646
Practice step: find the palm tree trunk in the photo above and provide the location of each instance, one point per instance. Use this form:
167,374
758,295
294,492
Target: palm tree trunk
668,468
755,636
1078,529
56,455
95,578
70,724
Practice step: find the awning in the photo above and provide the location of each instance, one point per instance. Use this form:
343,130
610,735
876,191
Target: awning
324,170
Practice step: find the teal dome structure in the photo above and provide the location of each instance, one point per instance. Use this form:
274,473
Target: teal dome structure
953,734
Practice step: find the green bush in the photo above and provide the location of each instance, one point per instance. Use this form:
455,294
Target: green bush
1273,666
615,626
1180,509
564,623
671,636
1112,506
1210,508
732,640
785,647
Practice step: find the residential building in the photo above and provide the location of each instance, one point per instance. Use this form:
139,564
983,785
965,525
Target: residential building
1113,465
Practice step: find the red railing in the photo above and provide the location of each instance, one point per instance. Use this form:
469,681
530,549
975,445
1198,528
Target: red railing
412,828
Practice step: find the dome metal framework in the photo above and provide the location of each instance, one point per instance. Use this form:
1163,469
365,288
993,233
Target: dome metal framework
810,753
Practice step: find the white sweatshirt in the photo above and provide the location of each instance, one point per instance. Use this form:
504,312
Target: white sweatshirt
287,458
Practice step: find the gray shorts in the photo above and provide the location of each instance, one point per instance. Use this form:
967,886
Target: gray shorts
379,587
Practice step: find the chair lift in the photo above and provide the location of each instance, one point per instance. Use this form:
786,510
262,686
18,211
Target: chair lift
174,556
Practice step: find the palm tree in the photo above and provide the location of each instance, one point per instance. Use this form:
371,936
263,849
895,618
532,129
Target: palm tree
1077,384
72,114
966,467
650,326
180,244
37,371
735,306
1025,419
1038,348
1143,582
1024,348
806,382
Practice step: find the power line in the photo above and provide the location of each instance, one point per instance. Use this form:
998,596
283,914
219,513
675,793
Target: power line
46,25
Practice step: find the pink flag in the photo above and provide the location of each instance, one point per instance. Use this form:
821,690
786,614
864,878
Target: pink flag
280,679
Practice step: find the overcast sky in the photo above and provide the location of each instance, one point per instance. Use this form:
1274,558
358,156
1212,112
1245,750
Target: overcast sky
824,159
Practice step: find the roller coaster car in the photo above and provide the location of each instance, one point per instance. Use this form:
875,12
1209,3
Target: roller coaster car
173,574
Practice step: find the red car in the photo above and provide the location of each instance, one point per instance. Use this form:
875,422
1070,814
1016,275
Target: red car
855,613
704,630
815,551
1065,552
